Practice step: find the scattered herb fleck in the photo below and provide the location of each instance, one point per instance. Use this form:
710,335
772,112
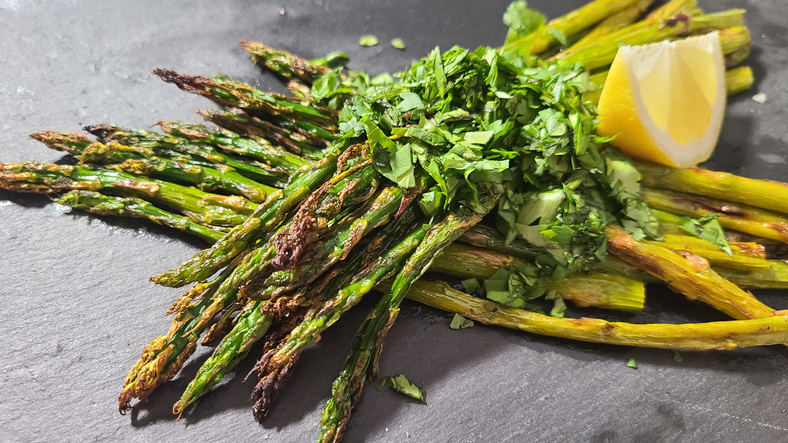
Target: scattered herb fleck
402,385
707,228
460,322
632,364
397,43
677,357
368,40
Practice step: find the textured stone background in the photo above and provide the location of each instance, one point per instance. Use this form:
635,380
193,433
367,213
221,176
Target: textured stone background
76,305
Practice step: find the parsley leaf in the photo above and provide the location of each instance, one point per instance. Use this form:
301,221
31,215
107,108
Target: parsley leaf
521,20
707,228
460,322
368,40
402,385
397,43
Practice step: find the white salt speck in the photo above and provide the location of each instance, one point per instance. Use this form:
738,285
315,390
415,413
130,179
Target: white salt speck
772,158
759,98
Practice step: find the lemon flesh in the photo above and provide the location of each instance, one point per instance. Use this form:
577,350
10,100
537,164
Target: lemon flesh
665,102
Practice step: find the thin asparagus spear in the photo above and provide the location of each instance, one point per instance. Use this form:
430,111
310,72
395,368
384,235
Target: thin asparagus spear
202,207
174,147
724,335
597,56
242,123
141,161
664,12
226,92
254,148
687,275
264,219
721,185
101,204
251,325
569,24
283,63
367,346
740,217
613,23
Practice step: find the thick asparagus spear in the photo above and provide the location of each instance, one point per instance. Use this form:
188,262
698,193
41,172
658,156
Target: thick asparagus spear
134,207
141,161
668,10
601,55
613,23
740,217
687,275
724,335
721,185
569,24
202,207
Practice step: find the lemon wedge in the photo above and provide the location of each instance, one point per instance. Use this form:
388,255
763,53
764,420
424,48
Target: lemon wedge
665,102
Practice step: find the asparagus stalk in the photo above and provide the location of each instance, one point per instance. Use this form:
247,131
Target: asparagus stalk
724,335
254,148
612,23
284,63
141,161
201,207
720,185
101,204
250,326
242,123
174,147
600,55
687,275
667,11
227,92
569,24
748,219
367,346
598,290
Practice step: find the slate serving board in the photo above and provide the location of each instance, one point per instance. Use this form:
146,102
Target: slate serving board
76,306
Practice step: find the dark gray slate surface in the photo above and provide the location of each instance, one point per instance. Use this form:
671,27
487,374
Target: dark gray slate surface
76,306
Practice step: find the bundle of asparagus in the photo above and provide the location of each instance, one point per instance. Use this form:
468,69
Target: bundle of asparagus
322,204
